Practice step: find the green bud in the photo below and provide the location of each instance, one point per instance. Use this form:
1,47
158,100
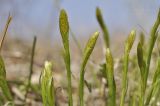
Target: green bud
64,25
90,46
109,60
47,85
140,55
130,40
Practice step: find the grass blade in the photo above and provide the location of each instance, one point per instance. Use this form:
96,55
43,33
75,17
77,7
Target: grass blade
103,27
142,65
31,66
3,81
110,79
128,46
152,41
155,79
64,30
5,30
142,38
86,54
156,95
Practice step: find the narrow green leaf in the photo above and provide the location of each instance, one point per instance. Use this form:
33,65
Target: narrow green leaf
103,27
31,66
64,30
154,83
86,54
157,72
109,60
89,47
153,37
141,61
128,45
156,95
140,55
5,31
110,79
3,81
130,40
142,66
142,38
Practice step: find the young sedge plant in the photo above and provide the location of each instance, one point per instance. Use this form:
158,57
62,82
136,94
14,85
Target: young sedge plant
86,54
3,81
81,52
128,45
155,81
106,39
103,27
64,30
110,79
47,85
152,41
142,65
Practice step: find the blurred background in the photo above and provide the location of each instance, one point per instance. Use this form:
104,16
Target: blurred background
40,17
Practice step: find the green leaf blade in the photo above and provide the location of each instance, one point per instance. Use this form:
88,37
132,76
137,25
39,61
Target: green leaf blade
103,27
110,79
64,27
86,54
3,82
130,40
128,46
64,30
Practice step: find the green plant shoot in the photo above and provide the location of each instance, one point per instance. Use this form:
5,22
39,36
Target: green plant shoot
47,85
142,38
156,78
31,66
152,41
103,27
142,65
110,79
128,45
64,30
86,54
5,30
3,81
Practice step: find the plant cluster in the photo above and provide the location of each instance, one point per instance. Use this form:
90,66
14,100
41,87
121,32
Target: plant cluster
144,94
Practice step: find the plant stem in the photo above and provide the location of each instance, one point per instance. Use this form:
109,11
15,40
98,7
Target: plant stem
110,79
31,66
128,46
5,31
152,41
64,30
86,54
103,27
124,79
